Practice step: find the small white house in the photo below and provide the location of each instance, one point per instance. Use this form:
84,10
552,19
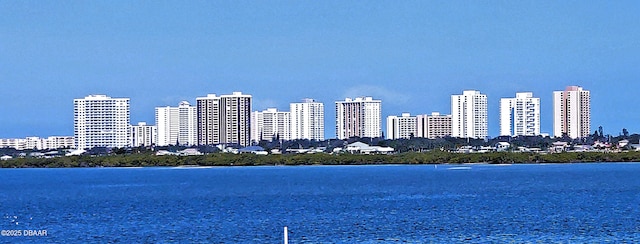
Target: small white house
623,143
559,147
502,146
5,157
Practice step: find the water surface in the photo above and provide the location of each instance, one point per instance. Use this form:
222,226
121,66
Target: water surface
325,204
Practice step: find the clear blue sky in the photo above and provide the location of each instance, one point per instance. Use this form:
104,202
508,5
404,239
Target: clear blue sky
411,54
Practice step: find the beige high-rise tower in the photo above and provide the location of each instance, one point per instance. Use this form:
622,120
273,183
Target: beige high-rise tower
572,112
359,117
434,125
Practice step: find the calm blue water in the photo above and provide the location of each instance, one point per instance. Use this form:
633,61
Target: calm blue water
325,204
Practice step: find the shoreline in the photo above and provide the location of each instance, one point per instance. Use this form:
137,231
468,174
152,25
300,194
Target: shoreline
447,166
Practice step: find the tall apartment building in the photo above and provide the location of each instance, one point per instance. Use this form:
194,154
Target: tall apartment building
520,116
359,117
403,127
434,125
208,120
143,135
270,124
572,112
177,125
307,120
101,121
469,115
224,119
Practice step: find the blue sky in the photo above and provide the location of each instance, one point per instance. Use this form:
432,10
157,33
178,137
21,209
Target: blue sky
411,54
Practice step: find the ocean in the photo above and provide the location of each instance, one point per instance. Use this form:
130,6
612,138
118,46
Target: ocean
478,203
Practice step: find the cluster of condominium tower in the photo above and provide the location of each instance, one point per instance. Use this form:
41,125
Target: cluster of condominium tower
519,116
102,121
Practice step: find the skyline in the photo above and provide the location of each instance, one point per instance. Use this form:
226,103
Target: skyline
382,120
411,55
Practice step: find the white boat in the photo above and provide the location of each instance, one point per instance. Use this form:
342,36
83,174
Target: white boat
460,168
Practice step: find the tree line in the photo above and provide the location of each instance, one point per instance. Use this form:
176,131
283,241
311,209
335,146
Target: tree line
226,159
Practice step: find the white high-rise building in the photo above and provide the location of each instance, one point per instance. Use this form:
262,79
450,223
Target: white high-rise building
469,115
520,116
225,119
403,127
572,112
434,125
359,117
143,135
270,124
177,125
236,118
101,121
307,120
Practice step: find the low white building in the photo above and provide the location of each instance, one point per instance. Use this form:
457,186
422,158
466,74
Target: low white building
623,143
363,148
16,143
76,152
189,152
38,143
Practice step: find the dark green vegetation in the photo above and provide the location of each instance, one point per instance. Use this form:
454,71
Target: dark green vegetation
410,151
222,159
417,144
